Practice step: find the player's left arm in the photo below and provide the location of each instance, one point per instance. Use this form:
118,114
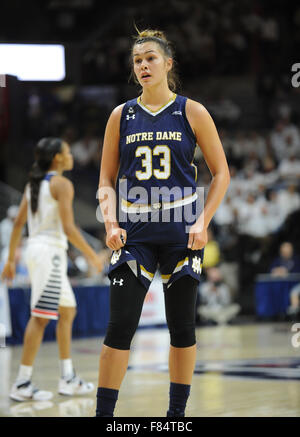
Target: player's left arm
208,140
9,268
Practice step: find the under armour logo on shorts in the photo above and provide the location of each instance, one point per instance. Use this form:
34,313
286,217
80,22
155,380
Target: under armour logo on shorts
120,282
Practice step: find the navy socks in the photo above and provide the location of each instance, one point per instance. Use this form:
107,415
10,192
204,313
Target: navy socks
106,401
179,394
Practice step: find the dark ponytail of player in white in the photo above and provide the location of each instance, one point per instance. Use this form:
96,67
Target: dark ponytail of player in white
44,154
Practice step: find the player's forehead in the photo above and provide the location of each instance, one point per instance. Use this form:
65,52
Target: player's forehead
145,48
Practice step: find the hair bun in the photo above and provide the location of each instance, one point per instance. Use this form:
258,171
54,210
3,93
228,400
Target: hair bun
152,33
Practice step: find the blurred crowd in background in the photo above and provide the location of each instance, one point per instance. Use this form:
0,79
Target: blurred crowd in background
253,41
210,37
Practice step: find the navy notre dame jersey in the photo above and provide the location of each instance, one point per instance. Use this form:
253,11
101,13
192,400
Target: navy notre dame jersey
156,172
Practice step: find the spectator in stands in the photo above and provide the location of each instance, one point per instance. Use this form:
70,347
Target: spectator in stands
268,174
85,149
277,140
234,189
215,299
261,195
252,162
249,181
287,262
292,135
252,218
289,199
254,236
285,139
275,214
257,143
225,215
294,308
289,169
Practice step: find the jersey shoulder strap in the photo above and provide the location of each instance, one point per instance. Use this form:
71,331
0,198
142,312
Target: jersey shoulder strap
128,112
181,110
49,176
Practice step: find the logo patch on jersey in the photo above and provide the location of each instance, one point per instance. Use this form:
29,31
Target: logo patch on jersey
116,256
120,282
196,264
130,111
177,113
56,260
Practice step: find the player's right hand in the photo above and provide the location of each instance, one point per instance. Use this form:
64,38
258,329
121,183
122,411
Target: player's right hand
114,238
9,271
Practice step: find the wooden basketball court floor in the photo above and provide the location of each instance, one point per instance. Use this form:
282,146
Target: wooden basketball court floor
248,370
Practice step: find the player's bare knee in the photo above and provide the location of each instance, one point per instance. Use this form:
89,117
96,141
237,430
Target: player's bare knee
67,314
41,322
108,353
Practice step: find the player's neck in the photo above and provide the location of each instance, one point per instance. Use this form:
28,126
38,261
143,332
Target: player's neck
56,168
156,97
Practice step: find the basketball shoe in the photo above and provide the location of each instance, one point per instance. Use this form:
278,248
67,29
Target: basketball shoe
26,391
74,386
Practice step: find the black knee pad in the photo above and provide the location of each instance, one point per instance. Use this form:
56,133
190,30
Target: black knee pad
120,332
118,338
182,336
127,296
180,302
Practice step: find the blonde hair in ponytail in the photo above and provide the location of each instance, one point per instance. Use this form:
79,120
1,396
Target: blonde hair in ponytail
159,38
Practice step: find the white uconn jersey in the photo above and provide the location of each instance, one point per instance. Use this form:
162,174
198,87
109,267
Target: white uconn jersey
45,225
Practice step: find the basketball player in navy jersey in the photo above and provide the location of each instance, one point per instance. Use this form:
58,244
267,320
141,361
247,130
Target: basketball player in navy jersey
148,152
47,207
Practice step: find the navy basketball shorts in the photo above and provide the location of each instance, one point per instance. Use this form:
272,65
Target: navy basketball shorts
172,261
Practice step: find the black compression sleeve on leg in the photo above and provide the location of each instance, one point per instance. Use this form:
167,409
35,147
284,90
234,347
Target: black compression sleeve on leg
127,296
180,303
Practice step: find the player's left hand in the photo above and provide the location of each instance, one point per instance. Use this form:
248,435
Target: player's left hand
197,237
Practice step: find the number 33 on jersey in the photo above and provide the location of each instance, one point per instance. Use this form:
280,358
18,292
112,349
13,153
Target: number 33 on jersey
157,148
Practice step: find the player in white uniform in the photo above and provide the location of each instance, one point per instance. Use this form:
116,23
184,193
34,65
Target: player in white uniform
47,207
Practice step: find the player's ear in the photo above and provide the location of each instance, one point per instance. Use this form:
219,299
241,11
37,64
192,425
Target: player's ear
58,158
169,64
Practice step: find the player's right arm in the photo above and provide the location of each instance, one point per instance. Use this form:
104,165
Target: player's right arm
107,181
63,191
